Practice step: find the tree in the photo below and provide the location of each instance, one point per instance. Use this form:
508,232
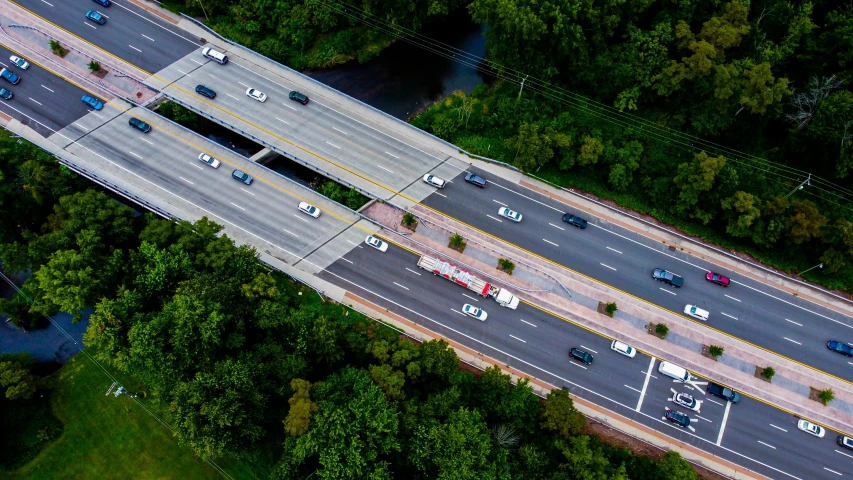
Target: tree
560,415
805,222
531,149
743,212
456,449
16,378
715,350
389,380
826,396
438,359
301,408
695,178
673,467
768,372
94,66
590,150
585,461
19,311
761,91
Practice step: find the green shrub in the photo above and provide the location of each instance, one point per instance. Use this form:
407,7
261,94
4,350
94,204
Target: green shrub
661,330
506,265
408,220
826,396
94,66
715,350
768,372
610,308
457,242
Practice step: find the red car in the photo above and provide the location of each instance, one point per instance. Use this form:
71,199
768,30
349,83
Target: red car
718,279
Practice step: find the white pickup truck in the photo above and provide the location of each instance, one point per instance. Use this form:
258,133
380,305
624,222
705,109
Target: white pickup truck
457,275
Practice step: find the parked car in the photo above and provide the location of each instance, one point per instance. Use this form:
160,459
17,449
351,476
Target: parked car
139,125
811,428
677,418
103,3
298,97
509,214
718,279
208,160
687,401
257,95
696,312
205,92
96,17
376,243
435,181
574,221
475,180
20,62
845,442
581,355
92,102
475,312
623,348
10,76
242,176
840,347
723,392
668,278
6,94
309,209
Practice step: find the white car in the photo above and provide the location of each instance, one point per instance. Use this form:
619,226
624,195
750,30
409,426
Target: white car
376,243
475,312
309,209
811,428
687,401
20,62
623,348
257,95
510,214
435,181
208,160
696,312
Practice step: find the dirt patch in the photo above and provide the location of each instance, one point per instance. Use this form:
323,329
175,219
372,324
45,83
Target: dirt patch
758,374
706,352
101,73
460,247
651,329
639,447
412,227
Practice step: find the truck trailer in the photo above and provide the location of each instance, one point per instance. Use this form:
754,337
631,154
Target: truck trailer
469,281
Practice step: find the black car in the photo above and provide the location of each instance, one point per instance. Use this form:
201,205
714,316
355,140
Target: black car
840,347
580,355
668,278
204,91
242,176
723,392
139,125
6,94
103,3
298,97
677,418
475,180
575,221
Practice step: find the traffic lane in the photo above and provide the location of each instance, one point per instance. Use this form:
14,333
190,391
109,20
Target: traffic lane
771,435
121,35
631,273
706,423
41,98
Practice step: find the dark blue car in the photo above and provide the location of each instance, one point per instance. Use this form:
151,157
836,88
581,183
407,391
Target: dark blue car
840,347
9,76
103,3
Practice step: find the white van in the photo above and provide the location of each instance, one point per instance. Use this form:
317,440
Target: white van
674,371
696,312
212,54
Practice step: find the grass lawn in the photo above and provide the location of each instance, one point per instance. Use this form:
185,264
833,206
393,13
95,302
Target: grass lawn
108,437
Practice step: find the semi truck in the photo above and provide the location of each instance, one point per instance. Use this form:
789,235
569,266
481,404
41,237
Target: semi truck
461,277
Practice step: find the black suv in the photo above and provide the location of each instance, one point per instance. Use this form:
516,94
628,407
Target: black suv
723,392
669,278
580,355
204,91
475,180
575,221
298,97
139,125
677,418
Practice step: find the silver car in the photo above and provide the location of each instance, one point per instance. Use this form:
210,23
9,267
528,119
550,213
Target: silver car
208,160
475,312
509,214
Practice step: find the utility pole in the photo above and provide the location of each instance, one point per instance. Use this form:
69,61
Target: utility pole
205,11
522,88
800,187
816,266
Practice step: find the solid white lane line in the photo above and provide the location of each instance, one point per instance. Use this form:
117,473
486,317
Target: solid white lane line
845,454
608,266
833,471
780,428
383,168
401,286
531,324
395,156
33,99
723,424
49,90
645,383
416,273
350,262
131,46
493,218
556,226
280,120
552,243
733,298
469,296
499,203
520,340
135,155
338,129
617,251
766,444
238,206
332,144
146,36
794,341
591,350
295,235
184,179
795,323
667,291
632,388
726,314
